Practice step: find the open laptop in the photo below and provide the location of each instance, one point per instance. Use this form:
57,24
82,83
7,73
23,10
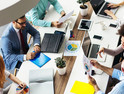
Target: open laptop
90,50
99,6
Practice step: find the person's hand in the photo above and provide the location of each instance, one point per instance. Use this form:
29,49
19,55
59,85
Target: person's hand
113,5
101,51
110,13
30,55
22,84
20,91
63,13
37,49
56,24
92,81
95,63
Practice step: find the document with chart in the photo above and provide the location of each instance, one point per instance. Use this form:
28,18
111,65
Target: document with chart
87,65
72,48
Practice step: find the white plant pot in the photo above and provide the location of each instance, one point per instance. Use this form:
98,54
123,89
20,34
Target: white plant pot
61,71
84,12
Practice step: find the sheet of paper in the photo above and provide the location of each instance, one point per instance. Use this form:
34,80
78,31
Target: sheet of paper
87,65
65,17
82,88
72,48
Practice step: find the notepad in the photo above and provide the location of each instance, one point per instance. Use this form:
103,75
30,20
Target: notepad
40,59
82,88
41,81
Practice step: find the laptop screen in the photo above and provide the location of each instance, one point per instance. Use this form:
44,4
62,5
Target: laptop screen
86,43
96,5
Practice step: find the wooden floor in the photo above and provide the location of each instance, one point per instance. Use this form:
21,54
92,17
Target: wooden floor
60,82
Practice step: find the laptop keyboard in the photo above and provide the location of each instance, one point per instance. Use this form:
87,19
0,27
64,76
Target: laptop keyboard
94,50
105,8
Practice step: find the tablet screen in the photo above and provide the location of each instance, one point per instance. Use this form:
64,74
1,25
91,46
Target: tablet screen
84,24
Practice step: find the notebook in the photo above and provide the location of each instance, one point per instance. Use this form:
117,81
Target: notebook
40,59
52,42
99,6
41,81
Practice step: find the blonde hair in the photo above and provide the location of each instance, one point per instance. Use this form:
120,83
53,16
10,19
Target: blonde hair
2,72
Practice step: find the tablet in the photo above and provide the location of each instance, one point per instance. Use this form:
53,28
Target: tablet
84,24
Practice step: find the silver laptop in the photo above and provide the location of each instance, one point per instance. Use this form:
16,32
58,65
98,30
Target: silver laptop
99,6
91,50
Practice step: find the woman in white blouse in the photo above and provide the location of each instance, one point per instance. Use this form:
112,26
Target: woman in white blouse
4,74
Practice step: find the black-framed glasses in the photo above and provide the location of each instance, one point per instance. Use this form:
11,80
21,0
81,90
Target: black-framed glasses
22,23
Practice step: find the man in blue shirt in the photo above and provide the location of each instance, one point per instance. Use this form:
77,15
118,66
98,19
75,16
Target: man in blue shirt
118,88
36,14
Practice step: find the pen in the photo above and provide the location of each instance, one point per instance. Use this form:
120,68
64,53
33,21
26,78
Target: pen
71,34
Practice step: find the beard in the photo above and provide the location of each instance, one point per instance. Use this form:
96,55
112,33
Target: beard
23,27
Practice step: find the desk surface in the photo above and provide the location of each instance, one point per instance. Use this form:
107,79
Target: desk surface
61,81
64,83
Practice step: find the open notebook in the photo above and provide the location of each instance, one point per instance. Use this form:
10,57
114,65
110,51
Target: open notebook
41,81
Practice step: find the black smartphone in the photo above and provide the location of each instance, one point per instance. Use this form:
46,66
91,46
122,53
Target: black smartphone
113,25
97,37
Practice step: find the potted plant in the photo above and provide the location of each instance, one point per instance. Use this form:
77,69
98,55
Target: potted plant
61,65
83,6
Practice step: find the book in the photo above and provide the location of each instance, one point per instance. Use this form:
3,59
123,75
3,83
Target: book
40,59
41,81
82,88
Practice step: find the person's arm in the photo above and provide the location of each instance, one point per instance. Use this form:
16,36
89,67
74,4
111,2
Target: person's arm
92,81
120,4
56,5
16,80
36,37
115,5
114,52
34,33
107,70
33,16
110,13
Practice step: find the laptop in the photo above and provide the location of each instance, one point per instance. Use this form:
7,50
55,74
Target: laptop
91,50
99,6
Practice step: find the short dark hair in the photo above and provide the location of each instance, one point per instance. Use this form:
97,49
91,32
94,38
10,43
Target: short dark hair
20,18
121,30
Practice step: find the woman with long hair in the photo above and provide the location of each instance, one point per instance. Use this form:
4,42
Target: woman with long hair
4,74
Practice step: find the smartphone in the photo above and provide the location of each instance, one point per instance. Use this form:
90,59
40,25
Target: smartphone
113,25
97,37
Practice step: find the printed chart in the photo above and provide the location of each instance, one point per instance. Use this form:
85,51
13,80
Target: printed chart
72,48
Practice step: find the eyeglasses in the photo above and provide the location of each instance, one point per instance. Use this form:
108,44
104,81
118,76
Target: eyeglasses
22,23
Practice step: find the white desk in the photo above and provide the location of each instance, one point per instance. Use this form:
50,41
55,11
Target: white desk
109,37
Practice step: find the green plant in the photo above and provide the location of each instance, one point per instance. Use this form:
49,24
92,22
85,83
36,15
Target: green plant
60,63
83,2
